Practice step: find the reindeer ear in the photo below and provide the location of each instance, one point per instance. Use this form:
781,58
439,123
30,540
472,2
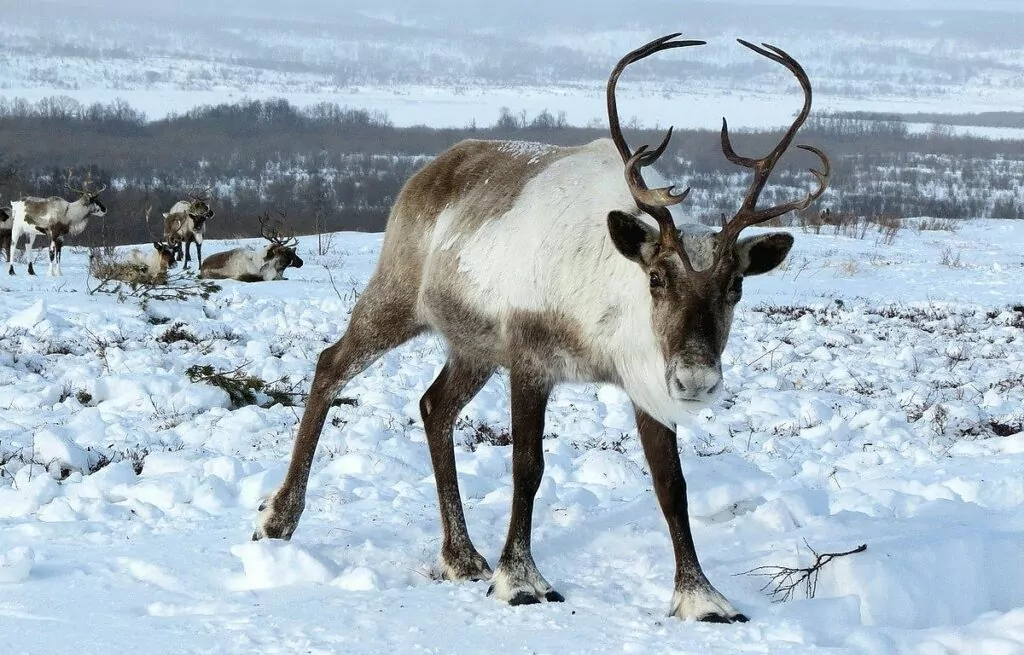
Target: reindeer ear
633,238
157,245
764,252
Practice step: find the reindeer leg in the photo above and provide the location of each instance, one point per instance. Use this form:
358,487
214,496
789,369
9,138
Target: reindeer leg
188,258
382,319
694,596
459,380
517,580
15,236
29,254
199,252
56,245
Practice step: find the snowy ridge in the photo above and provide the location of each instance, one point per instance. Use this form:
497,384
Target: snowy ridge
874,396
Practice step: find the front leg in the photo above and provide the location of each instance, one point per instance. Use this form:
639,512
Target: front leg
517,580
694,596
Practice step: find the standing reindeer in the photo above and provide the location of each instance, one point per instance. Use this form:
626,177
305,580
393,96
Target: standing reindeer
54,217
560,265
185,223
5,231
247,265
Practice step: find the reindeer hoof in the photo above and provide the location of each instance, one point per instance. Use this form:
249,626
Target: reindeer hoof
277,519
466,565
706,604
719,618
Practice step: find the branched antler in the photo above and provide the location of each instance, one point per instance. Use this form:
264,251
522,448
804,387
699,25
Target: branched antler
272,232
783,581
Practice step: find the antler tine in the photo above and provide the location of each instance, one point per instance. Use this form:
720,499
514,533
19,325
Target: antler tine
264,218
67,184
658,197
644,51
748,214
290,240
653,202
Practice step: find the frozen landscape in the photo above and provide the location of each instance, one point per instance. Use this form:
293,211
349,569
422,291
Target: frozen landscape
874,383
874,396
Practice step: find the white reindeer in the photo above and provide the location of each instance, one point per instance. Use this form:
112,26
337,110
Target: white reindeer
248,265
560,265
185,224
54,217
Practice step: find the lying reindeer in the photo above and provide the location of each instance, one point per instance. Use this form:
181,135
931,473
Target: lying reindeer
247,265
156,261
185,223
54,217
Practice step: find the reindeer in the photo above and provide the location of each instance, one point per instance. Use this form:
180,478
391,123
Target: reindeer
5,231
185,223
247,265
54,217
558,264
155,262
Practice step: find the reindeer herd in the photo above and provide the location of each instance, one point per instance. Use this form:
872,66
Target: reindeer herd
183,225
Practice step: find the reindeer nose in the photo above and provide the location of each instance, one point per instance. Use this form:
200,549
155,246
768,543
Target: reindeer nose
699,378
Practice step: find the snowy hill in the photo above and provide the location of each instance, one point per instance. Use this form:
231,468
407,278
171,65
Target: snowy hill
874,395
453,63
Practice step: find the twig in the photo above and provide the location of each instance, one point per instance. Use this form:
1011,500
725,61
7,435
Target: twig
786,579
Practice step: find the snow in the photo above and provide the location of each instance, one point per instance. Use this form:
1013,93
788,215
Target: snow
873,392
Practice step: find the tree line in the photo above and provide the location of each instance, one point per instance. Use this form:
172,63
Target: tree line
332,168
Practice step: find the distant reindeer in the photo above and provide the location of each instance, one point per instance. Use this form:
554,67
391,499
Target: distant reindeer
561,265
185,223
6,223
55,217
248,265
156,261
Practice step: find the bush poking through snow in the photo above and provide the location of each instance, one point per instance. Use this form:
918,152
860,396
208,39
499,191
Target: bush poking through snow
481,433
783,581
244,388
178,332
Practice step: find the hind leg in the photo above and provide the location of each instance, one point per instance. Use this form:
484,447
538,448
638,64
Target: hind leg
459,380
56,246
517,581
29,253
382,319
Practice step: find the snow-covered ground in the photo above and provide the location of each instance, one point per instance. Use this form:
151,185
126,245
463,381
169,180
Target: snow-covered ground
874,397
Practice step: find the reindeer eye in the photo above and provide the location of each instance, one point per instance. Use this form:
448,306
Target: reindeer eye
656,280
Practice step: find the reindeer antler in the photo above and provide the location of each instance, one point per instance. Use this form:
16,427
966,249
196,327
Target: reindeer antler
748,214
274,235
84,191
654,202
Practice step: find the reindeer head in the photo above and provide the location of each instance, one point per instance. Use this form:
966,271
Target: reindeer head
199,208
280,250
166,253
88,197
695,277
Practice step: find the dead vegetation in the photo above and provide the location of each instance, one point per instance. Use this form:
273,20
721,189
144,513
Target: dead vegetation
126,280
784,581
